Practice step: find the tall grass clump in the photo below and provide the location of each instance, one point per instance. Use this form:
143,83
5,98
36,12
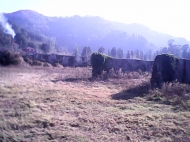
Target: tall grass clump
174,93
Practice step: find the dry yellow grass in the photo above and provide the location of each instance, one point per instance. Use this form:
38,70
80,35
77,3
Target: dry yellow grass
62,104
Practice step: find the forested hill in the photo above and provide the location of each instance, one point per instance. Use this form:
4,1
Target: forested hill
95,32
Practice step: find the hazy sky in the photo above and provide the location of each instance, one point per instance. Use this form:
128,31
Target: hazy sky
167,16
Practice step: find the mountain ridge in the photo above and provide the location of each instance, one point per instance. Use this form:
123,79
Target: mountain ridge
92,31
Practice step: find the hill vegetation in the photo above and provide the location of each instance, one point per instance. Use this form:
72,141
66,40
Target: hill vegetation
67,32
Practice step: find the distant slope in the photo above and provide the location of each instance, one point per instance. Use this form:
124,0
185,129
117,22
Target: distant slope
159,39
29,20
91,31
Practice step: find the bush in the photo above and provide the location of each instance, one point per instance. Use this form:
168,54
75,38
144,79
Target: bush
9,58
27,60
175,93
57,65
47,64
45,47
37,63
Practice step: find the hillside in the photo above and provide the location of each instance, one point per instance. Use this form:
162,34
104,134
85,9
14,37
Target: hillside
158,39
90,31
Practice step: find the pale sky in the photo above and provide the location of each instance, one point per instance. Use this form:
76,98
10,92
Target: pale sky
166,16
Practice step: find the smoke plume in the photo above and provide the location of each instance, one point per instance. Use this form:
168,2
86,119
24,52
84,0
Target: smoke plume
7,28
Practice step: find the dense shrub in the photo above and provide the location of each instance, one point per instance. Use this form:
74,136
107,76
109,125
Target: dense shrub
9,58
47,64
57,65
37,63
45,47
174,93
27,60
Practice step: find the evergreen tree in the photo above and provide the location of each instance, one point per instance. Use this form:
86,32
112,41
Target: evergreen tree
101,50
84,52
128,55
113,52
141,55
170,44
185,48
150,55
89,51
76,51
145,57
120,53
166,50
132,55
154,56
157,52
45,47
109,52
137,54
85,56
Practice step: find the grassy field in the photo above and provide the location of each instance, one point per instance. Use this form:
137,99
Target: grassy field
64,104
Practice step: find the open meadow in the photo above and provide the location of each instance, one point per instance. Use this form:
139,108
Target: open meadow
66,104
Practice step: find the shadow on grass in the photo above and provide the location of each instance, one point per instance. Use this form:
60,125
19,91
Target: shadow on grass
71,80
137,91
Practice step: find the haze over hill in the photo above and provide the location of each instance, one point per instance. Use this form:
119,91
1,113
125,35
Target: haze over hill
91,31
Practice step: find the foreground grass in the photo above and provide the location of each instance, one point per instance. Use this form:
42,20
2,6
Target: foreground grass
62,104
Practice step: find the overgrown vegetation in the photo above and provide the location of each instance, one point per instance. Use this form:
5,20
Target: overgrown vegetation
24,38
98,62
63,104
175,94
9,58
164,69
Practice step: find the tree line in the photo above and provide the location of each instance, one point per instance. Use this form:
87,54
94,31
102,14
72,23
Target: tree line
180,51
